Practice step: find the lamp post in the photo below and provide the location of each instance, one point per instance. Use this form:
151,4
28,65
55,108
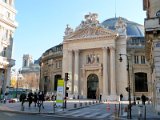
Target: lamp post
128,89
18,77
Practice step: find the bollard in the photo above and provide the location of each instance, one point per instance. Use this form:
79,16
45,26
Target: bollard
80,104
85,103
140,111
22,108
108,107
75,105
144,112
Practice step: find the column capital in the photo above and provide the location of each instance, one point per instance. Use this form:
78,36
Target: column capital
105,48
76,50
70,50
112,48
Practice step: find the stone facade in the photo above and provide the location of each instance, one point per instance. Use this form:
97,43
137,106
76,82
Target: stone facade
152,35
30,73
91,55
51,68
7,28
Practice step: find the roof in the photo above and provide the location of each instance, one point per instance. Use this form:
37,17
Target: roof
133,29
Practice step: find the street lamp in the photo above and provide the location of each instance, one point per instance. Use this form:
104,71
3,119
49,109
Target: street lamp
18,77
128,89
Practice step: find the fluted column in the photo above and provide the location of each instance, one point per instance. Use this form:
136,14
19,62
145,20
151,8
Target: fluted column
70,71
76,73
112,71
105,74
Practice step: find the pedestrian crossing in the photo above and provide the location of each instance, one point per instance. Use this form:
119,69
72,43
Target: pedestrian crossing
92,114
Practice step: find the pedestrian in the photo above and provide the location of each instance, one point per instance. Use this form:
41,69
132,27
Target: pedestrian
100,97
22,98
121,97
35,97
5,97
143,97
30,98
41,98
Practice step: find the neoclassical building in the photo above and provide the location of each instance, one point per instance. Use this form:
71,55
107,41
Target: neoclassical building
152,36
30,72
8,25
91,55
51,69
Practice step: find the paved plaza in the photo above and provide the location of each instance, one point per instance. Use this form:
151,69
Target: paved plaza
90,109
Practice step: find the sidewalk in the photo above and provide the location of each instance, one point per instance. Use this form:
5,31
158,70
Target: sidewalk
77,104
48,107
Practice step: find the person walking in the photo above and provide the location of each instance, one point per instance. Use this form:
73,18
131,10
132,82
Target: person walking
143,97
22,98
41,98
35,97
30,98
121,97
100,98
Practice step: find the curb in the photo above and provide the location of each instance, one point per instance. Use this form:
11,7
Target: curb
20,112
34,113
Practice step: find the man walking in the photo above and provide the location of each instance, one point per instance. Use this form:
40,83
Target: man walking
30,98
22,99
143,97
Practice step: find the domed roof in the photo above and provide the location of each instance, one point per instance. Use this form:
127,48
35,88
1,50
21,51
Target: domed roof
133,29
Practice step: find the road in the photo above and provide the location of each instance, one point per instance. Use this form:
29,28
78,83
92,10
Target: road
16,116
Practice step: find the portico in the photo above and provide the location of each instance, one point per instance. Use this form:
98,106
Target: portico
90,50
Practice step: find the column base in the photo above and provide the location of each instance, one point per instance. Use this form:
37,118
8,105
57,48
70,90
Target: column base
113,98
109,98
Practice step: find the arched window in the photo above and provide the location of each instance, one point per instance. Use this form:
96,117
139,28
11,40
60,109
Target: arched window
141,82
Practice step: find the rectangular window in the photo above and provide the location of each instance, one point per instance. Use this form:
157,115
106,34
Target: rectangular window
4,52
136,61
5,1
60,64
142,59
56,64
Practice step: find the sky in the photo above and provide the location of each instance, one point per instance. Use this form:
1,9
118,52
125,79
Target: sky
41,23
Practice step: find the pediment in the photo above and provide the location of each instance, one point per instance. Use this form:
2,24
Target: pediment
91,32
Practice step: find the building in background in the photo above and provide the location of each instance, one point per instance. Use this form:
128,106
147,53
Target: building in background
8,25
152,36
90,55
31,73
51,69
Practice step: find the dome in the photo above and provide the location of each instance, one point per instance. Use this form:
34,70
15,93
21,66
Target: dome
133,29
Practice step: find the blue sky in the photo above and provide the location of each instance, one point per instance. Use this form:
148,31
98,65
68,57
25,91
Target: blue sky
42,22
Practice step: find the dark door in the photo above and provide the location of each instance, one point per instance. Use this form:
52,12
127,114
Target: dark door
92,84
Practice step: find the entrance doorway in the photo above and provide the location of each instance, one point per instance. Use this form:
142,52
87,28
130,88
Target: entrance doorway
92,84
56,77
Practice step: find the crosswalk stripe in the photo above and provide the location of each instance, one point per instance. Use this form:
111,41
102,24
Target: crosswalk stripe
81,114
71,113
92,114
104,115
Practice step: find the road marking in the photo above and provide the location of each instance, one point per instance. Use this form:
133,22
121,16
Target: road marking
71,113
93,114
81,114
104,115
